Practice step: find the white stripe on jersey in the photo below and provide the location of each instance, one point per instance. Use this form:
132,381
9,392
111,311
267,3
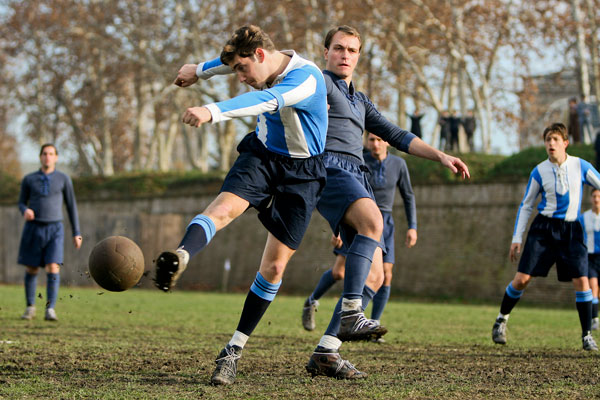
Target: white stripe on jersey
591,225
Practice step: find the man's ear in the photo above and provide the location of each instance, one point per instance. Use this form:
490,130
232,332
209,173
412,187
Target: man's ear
260,54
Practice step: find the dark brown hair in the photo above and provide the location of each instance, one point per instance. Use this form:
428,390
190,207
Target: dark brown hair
48,145
556,127
244,43
348,30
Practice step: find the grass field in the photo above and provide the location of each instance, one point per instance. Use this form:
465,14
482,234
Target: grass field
145,344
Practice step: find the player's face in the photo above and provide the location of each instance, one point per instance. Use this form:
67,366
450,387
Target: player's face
596,199
342,55
48,157
376,145
251,70
556,146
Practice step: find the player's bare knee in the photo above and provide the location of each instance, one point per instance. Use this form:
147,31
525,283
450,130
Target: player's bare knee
339,274
32,270
273,271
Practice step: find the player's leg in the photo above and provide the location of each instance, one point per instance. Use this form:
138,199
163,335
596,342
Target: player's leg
383,294
512,295
219,213
262,292
583,302
594,287
53,257
31,274
326,281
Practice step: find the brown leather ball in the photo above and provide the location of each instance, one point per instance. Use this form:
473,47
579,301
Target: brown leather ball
116,263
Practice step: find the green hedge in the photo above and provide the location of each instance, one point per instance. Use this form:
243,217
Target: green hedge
483,167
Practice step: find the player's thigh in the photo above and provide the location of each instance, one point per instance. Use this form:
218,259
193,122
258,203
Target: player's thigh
225,208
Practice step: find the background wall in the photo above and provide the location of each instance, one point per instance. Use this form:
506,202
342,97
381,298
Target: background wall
462,251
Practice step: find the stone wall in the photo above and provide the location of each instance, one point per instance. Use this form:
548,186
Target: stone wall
462,250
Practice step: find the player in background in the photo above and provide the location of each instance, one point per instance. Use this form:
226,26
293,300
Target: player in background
387,172
42,242
591,229
555,235
279,171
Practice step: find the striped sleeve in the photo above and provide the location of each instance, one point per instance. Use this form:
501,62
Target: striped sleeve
590,174
534,187
294,88
211,68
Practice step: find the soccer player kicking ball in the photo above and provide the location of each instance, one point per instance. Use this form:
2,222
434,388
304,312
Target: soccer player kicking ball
555,236
279,171
591,230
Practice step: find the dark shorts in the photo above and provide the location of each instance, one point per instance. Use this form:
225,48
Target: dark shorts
347,182
388,240
593,265
553,240
284,190
41,244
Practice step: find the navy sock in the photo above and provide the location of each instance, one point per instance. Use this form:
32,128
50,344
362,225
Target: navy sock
259,298
379,302
595,307
367,296
334,324
30,287
198,234
583,302
358,264
52,285
510,300
325,283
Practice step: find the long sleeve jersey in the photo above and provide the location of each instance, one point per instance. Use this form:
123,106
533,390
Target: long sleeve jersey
350,114
45,194
560,188
591,230
386,175
292,112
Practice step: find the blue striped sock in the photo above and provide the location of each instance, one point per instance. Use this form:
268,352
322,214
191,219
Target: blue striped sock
264,289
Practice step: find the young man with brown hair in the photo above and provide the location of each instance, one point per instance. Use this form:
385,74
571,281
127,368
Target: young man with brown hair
555,235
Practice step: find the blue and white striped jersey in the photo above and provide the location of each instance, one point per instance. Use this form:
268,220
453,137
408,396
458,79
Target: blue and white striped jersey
292,112
561,188
591,230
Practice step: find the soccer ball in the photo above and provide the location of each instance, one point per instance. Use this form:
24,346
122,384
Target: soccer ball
116,263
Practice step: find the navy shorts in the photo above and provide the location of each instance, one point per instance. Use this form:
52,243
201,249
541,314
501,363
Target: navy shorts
346,182
388,240
593,265
284,190
41,244
553,240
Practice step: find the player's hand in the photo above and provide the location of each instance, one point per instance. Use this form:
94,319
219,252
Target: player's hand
29,215
456,165
196,116
186,75
411,238
515,251
336,241
77,240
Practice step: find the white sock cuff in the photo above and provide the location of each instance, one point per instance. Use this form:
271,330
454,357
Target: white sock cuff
330,342
500,315
351,304
239,339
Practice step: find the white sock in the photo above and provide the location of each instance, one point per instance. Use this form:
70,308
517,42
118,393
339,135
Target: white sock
330,342
500,315
351,304
238,339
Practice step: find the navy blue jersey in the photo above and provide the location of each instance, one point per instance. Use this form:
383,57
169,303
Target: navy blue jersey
386,175
45,194
350,114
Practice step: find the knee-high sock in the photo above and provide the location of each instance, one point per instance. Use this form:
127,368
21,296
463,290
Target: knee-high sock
595,307
583,301
511,297
367,296
259,298
325,283
379,302
30,287
52,285
199,233
358,264
334,324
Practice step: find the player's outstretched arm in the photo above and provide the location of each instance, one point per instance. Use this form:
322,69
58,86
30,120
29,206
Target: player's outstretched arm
421,149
